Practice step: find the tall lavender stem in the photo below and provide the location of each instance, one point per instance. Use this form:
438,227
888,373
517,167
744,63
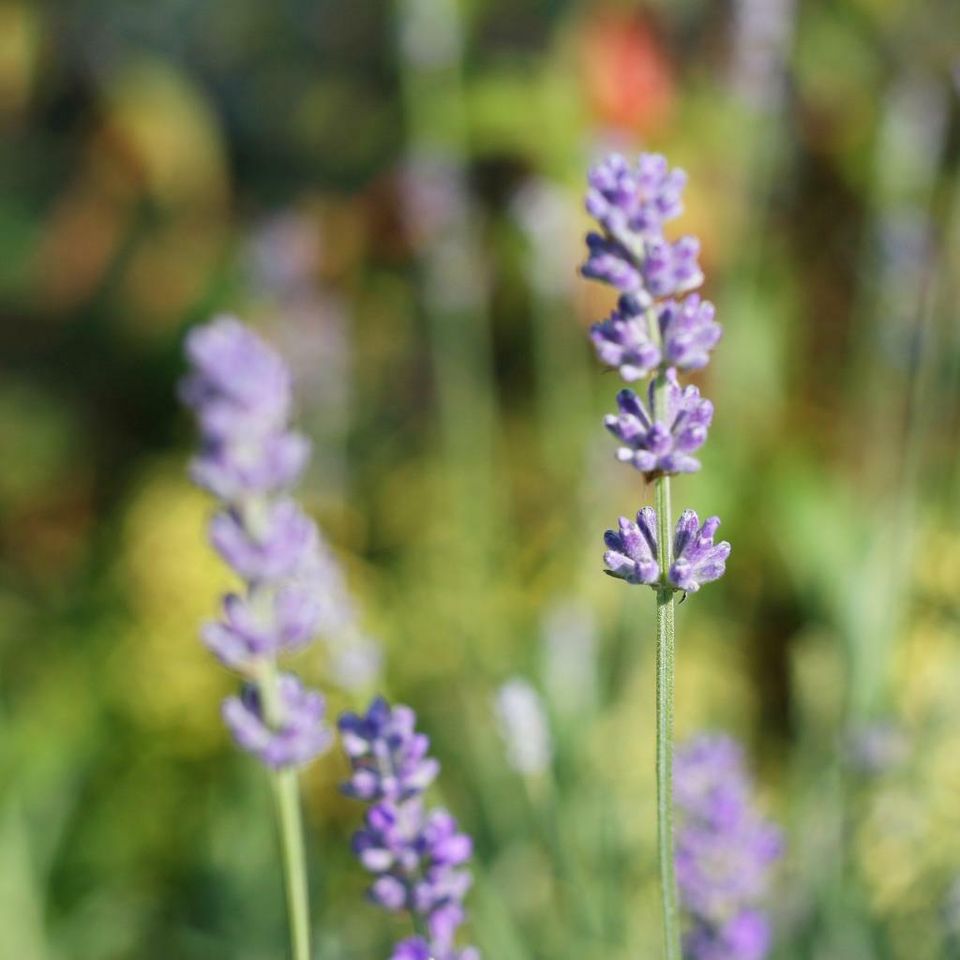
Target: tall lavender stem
650,334
249,460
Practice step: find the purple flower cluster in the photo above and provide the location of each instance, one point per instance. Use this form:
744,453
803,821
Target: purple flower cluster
653,334
240,391
632,553
417,856
657,447
725,852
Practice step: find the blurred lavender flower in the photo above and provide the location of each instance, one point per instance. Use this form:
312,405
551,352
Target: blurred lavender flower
632,553
388,757
725,852
623,341
239,389
656,269
524,727
662,446
689,332
635,199
300,735
417,856
568,657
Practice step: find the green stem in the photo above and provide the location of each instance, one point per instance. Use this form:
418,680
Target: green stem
666,635
290,826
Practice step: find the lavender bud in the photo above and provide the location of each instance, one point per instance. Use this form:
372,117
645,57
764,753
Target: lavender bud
697,560
634,200
388,757
623,341
689,331
299,736
631,554
663,446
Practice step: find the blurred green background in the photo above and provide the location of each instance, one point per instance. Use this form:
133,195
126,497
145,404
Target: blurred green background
392,193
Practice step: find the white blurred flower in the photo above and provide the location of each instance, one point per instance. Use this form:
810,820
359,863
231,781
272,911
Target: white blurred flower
523,726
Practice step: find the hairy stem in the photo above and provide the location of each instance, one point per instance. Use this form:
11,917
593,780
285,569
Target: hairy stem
286,795
666,635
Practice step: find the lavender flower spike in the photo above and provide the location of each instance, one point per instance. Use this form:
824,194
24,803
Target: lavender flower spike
417,856
697,559
663,446
725,852
240,390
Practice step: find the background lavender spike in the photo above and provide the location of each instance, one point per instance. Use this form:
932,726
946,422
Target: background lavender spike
725,852
416,856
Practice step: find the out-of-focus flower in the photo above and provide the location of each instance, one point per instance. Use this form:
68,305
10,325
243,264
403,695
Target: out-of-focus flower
239,389
689,332
725,852
632,552
524,727
416,856
626,71
664,445
634,199
647,269
568,657
297,734
623,340
388,757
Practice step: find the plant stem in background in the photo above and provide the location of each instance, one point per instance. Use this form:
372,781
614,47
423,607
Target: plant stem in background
666,630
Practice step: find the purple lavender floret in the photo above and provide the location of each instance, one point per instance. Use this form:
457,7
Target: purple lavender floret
658,269
609,261
697,559
689,331
300,733
638,199
631,553
417,856
388,757
662,446
672,268
274,545
623,341
724,854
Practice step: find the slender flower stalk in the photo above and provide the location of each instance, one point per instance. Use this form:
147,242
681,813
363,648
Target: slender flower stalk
239,389
652,334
